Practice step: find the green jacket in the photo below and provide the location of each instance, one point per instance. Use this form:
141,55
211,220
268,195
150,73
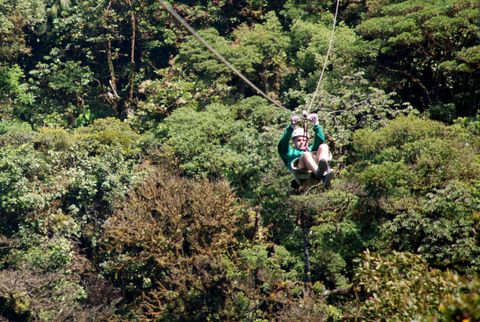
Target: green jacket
289,154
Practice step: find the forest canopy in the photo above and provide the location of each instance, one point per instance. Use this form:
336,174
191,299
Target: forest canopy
140,179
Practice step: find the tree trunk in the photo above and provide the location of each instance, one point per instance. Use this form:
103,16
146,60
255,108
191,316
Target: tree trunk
132,57
306,247
129,102
111,70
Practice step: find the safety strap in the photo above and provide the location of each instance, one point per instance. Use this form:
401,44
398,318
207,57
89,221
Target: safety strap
330,44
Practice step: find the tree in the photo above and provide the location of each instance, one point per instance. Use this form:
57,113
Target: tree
173,258
15,17
257,51
400,286
57,189
239,148
426,51
307,53
422,179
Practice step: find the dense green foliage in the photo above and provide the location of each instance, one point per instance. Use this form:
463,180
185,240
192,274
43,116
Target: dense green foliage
428,50
139,178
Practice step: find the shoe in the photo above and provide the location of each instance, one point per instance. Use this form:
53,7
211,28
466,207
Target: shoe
322,167
327,178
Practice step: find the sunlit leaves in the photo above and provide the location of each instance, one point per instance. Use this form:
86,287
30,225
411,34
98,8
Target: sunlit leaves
427,49
401,286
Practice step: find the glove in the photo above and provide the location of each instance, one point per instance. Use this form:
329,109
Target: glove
294,119
313,117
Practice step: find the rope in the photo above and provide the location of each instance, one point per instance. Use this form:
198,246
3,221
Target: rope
330,44
218,55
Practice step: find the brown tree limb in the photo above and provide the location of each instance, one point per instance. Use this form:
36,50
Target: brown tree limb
132,57
413,80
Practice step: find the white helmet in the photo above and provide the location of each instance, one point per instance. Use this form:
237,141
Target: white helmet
299,131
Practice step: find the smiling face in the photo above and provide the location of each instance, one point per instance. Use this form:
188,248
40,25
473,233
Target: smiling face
300,142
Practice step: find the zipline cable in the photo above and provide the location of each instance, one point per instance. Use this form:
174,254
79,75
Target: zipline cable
330,44
217,54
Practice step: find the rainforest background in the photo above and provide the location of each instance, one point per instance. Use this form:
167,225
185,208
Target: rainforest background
139,178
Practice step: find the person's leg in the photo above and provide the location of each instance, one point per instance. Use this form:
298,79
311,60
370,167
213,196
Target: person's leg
323,152
322,156
307,160
321,169
324,170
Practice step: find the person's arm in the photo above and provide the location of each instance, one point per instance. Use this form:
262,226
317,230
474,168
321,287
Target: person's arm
317,129
319,137
284,143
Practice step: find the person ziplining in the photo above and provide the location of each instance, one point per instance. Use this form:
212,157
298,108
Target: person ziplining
304,161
